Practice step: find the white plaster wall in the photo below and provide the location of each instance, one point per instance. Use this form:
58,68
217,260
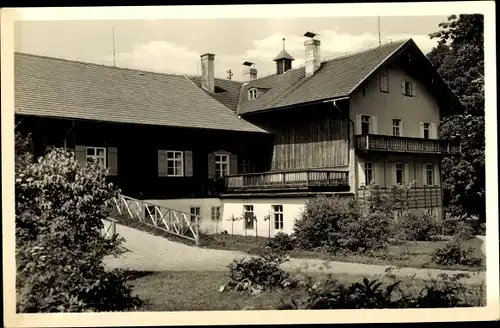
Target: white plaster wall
292,208
386,106
183,205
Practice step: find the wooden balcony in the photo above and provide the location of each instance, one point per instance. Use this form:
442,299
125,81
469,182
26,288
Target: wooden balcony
375,142
288,180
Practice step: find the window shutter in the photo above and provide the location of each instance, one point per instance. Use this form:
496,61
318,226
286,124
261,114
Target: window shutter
113,161
233,164
402,87
433,131
162,163
406,168
437,178
374,125
81,154
392,177
362,176
188,163
211,166
424,180
421,126
401,123
358,124
413,89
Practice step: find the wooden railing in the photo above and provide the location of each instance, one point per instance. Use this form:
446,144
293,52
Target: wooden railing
287,179
172,221
407,145
416,197
109,228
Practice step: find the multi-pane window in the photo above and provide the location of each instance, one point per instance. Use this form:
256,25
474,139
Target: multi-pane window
384,82
252,94
248,216
246,166
429,174
396,127
368,173
175,161
427,130
221,165
215,213
399,173
278,217
195,211
408,88
96,154
365,124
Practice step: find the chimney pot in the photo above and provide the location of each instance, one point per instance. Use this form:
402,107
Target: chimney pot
312,56
207,72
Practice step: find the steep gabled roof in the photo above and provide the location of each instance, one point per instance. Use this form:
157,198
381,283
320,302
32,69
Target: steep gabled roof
335,78
53,87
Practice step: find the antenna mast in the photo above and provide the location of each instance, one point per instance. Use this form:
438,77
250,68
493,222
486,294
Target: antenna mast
379,40
114,54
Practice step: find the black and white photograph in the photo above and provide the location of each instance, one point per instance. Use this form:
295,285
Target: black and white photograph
249,159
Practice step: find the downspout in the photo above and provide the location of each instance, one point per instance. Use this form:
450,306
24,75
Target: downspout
66,137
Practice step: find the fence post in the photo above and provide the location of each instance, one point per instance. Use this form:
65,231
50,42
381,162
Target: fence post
197,231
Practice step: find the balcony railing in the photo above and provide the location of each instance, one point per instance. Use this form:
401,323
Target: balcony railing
406,145
279,180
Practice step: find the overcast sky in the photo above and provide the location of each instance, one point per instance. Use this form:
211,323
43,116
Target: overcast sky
175,46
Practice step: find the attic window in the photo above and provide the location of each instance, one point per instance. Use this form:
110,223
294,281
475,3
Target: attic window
252,94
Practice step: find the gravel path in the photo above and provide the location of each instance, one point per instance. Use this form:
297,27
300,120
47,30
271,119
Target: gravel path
154,253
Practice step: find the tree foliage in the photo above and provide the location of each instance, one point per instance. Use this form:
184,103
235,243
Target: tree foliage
459,59
60,247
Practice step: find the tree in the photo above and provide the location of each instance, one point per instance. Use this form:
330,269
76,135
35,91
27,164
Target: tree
60,249
459,59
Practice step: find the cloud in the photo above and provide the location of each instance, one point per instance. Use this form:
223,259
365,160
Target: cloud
169,57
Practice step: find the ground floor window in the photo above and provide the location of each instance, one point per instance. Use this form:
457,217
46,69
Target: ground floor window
175,163
278,217
195,211
215,213
399,173
429,174
96,154
368,173
248,216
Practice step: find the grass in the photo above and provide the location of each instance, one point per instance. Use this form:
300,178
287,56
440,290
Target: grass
412,254
198,291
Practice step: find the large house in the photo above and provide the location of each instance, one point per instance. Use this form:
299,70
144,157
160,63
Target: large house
261,148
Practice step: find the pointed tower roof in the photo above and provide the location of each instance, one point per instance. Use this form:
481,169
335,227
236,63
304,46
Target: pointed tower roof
283,54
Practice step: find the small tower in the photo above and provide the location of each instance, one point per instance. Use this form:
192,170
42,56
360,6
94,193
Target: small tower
283,61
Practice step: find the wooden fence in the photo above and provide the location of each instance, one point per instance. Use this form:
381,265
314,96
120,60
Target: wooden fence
416,197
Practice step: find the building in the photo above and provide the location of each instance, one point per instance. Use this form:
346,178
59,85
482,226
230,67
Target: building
260,148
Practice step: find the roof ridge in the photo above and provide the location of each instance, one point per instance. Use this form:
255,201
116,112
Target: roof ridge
402,41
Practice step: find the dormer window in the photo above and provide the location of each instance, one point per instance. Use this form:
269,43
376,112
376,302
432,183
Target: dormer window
252,94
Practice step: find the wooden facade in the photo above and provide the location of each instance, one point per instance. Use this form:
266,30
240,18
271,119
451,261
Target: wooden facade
136,148
315,136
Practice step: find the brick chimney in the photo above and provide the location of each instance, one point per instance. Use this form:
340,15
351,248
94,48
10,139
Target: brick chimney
207,72
250,70
253,73
312,54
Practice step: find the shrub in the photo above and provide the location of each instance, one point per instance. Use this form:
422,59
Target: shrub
281,242
459,228
60,247
481,229
418,225
258,273
318,224
455,253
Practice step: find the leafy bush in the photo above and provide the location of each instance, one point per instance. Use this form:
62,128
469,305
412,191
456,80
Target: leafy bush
281,242
459,228
442,292
318,224
481,229
454,252
59,242
258,273
418,225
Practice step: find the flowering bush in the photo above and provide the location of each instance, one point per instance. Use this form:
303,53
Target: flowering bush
60,247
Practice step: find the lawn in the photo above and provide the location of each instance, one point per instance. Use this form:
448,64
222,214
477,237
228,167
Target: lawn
413,254
198,291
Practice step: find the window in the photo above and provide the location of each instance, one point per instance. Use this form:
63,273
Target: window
96,154
246,166
195,211
368,173
384,82
407,88
431,212
221,165
278,217
175,163
252,94
429,174
248,215
365,124
396,127
399,173
215,213
427,130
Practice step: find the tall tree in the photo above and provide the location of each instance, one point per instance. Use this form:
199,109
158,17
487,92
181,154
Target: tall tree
459,59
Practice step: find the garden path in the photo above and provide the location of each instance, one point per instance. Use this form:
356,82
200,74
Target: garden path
147,252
